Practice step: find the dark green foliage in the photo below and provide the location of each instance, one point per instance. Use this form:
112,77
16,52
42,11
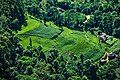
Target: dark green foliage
53,55
67,13
85,78
57,77
30,42
27,53
64,5
116,32
13,10
106,72
74,78
29,70
82,57
17,63
42,56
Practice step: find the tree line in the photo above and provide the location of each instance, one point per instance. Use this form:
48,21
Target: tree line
72,14
17,63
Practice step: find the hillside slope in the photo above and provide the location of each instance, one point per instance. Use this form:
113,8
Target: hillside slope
63,39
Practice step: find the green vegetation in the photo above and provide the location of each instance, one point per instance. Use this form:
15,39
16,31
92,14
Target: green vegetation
65,42
59,40
115,46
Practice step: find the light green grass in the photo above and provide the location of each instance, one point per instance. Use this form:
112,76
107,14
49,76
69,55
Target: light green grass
43,31
75,41
60,0
66,42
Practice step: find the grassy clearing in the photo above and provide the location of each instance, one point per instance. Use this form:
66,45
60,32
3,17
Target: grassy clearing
74,41
43,31
60,0
66,42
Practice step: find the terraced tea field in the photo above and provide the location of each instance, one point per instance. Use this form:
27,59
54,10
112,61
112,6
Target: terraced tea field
63,39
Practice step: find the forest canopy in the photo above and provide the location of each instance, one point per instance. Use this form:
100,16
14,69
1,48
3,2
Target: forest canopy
59,40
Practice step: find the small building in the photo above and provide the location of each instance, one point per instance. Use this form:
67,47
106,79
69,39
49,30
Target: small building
103,37
111,56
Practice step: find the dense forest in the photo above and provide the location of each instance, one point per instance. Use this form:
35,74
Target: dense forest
59,39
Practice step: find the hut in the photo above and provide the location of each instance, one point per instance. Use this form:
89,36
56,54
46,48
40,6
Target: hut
111,56
103,37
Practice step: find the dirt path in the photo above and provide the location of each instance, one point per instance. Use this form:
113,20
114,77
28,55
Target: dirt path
88,17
